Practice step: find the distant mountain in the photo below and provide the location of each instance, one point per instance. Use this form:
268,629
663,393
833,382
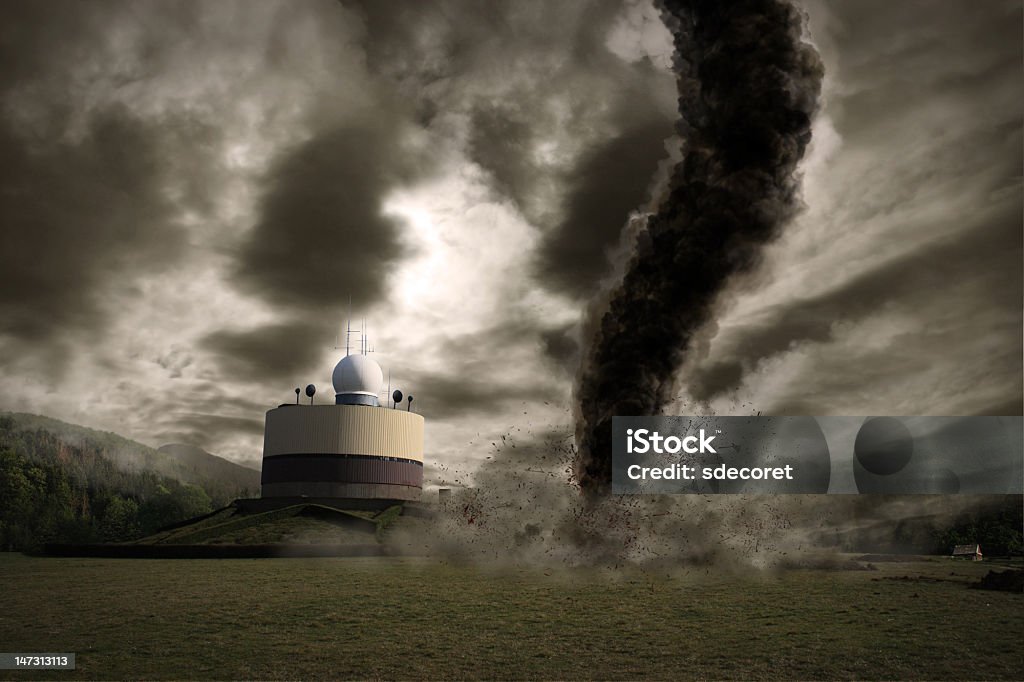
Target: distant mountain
195,465
78,449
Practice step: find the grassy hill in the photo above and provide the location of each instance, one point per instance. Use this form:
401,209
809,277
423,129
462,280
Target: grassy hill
299,524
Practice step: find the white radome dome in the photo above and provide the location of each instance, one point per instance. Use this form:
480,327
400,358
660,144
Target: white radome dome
358,374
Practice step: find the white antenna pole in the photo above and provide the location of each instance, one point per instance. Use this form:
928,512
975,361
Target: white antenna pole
388,396
348,325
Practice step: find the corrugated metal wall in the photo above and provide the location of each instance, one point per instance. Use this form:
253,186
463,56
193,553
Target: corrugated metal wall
346,429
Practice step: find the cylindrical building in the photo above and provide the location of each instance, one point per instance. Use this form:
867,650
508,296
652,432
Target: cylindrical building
354,449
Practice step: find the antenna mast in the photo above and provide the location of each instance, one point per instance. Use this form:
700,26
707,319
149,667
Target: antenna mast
348,325
364,338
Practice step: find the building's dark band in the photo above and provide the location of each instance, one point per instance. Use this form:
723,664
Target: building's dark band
340,467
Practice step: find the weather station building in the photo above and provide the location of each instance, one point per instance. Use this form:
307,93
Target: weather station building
354,450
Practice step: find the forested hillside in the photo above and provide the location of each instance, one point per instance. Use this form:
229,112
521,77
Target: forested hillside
221,479
64,483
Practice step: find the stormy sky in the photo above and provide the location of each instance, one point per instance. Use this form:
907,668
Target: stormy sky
192,192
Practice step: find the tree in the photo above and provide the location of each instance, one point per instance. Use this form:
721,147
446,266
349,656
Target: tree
120,519
16,502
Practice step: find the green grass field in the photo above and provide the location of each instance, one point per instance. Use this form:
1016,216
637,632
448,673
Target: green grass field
420,619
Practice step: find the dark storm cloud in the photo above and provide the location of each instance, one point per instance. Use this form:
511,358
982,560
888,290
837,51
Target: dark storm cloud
500,140
479,348
481,387
979,265
561,346
900,75
894,58
77,216
611,181
35,36
213,414
209,397
322,237
439,396
272,352
92,189
209,429
423,43
557,344
212,425
445,54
